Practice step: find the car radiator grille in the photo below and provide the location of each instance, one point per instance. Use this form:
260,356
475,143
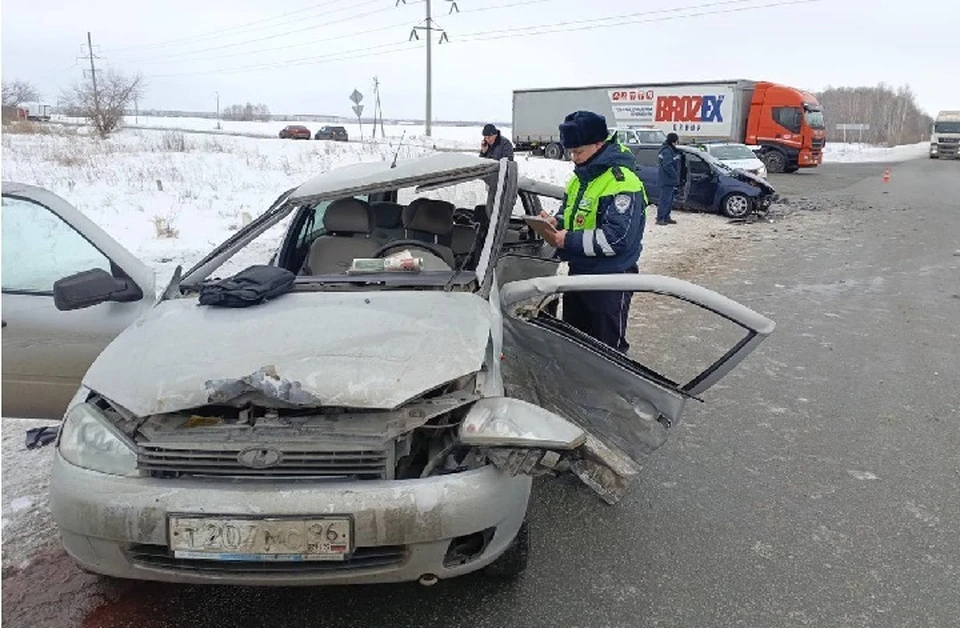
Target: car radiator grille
949,140
160,557
169,461
817,144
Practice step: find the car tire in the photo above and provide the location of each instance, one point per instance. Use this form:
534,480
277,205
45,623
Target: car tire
513,562
736,205
791,169
775,161
934,156
553,151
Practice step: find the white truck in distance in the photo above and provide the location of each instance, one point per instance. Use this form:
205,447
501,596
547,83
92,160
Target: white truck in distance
945,137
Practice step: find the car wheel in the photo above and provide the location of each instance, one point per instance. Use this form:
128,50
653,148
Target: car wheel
553,151
775,161
735,206
791,169
512,562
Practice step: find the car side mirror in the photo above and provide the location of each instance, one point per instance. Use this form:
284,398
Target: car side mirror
91,287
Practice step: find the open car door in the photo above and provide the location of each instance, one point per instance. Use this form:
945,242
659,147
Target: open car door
624,408
68,290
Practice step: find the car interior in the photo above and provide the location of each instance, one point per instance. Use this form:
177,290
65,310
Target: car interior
327,236
446,237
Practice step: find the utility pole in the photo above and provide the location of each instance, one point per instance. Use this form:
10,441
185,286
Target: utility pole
430,26
93,78
218,109
377,110
136,110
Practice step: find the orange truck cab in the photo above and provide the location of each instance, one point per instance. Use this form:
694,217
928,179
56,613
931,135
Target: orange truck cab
788,125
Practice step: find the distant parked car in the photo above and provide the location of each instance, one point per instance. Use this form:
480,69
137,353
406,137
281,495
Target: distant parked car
295,132
335,133
707,184
737,156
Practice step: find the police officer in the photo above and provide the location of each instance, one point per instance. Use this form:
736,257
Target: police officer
600,225
671,163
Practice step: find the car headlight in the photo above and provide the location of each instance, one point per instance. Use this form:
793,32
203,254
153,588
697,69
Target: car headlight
504,422
88,441
762,171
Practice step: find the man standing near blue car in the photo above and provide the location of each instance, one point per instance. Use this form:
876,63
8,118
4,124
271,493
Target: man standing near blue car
599,225
670,167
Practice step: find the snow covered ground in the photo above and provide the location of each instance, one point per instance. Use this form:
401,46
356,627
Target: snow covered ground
850,153
444,136
468,137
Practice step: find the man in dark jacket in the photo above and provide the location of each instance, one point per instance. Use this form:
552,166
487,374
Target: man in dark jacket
600,225
670,168
494,145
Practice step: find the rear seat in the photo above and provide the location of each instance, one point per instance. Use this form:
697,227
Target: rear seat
429,220
389,222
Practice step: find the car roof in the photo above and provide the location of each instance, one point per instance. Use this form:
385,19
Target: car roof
380,176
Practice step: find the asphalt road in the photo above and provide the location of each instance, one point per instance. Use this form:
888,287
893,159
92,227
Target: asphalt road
818,486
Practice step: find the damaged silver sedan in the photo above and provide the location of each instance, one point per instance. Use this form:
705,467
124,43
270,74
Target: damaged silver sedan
365,427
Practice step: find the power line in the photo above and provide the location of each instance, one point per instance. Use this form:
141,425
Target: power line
276,48
643,16
526,31
226,31
313,27
357,53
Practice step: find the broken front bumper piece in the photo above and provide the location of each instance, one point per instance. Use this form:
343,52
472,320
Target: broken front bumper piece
606,472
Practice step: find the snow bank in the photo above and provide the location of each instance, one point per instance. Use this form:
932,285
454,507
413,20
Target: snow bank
444,136
856,153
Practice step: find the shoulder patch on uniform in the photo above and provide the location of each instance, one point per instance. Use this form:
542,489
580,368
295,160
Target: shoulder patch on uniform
617,173
622,202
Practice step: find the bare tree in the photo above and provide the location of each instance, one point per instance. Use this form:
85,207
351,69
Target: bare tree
17,91
104,106
893,114
247,112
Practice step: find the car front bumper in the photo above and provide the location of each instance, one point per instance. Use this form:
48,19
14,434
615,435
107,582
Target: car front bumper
402,529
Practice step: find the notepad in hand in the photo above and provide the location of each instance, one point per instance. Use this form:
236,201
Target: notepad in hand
543,226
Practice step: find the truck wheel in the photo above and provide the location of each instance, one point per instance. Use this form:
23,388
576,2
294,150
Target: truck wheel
512,562
791,169
553,151
775,161
735,205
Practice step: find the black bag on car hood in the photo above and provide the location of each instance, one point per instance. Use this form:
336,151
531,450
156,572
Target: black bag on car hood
250,286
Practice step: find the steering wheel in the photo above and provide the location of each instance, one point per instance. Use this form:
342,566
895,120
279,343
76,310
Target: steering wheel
429,246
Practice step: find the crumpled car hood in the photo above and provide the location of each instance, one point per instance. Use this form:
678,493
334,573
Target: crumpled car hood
360,350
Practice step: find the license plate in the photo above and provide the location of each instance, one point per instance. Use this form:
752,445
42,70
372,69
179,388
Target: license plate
265,539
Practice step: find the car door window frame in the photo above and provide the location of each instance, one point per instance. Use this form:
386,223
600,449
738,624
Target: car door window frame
114,268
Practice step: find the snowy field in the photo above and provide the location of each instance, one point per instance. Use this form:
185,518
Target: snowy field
444,136
468,137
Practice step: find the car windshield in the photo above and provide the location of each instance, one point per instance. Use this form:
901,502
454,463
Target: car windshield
406,238
732,151
715,162
814,119
946,127
651,137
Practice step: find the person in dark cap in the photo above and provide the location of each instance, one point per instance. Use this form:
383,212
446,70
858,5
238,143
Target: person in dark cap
599,225
494,145
671,165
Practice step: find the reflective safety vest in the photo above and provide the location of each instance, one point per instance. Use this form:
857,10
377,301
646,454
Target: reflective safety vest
580,212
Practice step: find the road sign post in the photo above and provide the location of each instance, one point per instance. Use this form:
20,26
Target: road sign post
852,127
356,97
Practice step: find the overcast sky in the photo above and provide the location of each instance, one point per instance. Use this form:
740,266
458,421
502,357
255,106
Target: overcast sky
306,57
